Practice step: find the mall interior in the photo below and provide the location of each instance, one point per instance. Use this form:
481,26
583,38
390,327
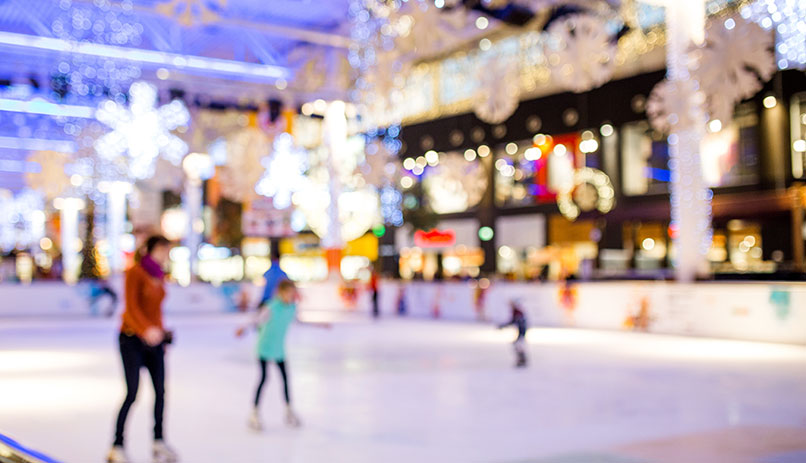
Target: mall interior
621,181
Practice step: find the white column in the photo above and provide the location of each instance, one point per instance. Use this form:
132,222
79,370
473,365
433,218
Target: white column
115,221
198,167
335,139
691,199
68,211
192,203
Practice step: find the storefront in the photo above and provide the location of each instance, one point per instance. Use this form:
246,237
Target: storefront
450,250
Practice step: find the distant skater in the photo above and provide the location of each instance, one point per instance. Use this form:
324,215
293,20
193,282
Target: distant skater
272,323
373,289
519,321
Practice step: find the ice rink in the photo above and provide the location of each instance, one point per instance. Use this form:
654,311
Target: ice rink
403,390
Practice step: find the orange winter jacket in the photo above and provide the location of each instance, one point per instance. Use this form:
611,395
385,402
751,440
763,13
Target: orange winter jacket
144,295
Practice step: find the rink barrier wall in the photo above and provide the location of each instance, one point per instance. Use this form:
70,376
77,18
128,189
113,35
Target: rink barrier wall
771,312
58,299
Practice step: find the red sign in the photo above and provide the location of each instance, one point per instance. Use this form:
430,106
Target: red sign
434,238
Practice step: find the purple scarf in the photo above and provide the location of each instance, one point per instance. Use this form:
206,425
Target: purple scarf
152,267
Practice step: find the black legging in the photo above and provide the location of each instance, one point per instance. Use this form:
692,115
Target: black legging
281,366
136,354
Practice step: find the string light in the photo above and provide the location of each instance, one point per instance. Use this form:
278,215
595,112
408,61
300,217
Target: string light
788,19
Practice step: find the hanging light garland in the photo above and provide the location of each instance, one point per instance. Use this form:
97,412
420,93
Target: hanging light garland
98,22
381,169
788,19
192,12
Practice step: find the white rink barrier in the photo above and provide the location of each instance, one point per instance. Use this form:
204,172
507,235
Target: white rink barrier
771,312
56,298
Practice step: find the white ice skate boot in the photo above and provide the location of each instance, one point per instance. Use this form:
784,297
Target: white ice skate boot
291,418
117,455
255,423
164,454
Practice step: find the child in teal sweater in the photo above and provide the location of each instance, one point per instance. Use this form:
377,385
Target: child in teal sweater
272,323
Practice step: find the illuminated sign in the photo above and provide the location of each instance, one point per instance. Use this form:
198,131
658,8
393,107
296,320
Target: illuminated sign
434,238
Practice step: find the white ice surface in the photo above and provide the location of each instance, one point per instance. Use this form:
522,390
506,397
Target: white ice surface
392,391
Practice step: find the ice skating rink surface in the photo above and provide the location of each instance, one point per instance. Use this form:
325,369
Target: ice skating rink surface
401,390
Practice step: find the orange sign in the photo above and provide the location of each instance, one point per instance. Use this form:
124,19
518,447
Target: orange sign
434,238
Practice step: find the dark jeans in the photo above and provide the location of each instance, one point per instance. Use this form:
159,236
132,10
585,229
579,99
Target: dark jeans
281,367
136,354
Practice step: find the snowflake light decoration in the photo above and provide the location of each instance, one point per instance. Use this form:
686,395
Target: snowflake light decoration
23,223
51,180
358,210
455,184
669,105
788,19
243,168
498,95
581,52
92,168
424,29
192,12
381,166
732,64
285,172
142,131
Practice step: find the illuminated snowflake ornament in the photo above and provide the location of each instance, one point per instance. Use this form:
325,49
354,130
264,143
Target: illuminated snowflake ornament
243,168
788,19
51,179
92,169
669,105
581,52
499,91
381,166
142,131
426,30
455,184
23,223
285,172
732,64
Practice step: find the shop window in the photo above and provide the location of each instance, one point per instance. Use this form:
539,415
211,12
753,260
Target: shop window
730,155
457,262
798,123
533,171
738,248
645,160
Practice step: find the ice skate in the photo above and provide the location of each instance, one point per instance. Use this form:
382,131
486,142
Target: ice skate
521,359
117,455
521,363
255,423
164,454
291,419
